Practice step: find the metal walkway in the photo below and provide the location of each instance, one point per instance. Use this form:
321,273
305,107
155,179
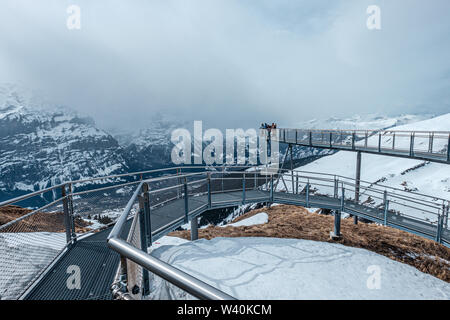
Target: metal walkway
421,145
98,264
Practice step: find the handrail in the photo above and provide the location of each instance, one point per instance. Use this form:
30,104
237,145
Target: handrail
179,278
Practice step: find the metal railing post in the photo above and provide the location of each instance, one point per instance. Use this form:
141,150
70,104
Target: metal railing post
271,187
386,207
393,141
296,182
353,140
72,214
310,138
336,233
67,219
411,145
439,229
379,142
448,149
336,187
194,229
307,193
243,188
147,213
343,198
209,190
186,202
430,142
366,139
143,241
331,139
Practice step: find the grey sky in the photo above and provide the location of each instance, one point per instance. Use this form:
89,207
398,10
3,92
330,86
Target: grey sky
230,63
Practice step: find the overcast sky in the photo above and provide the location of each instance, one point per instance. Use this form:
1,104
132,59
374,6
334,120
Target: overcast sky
230,63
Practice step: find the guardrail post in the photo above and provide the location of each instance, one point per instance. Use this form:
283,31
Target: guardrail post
439,229
186,202
194,229
296,136
357,182
411,145
393,141
336,187
209,190
67,222
307,193
446,216
72,214
147,213
296,183
448,149
310,138
366,138
379,142
271,188
336,233
292,169
143,237
331,139
343,198
430,142
386,207
243,188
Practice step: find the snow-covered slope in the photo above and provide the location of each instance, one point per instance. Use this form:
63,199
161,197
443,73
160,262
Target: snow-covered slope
364,122
413,175
43,144
271,268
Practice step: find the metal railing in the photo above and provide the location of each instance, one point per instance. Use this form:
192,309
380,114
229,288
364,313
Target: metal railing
130,201
423,145
414,212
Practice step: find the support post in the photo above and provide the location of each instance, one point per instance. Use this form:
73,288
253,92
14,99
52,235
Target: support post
310,138
336,187
386,207
448,149
209,190
194,229
439,229
144,244
366,138
243,188
271,188
72,214
336,233
67,218
147,213
357,182
379,142
446,216
353,140
186,202
307,193
430,142
296,183
292,169
296,136
393,141
343,198
331,139
411,145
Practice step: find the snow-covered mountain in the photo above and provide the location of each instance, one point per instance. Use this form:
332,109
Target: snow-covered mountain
149,148
43,144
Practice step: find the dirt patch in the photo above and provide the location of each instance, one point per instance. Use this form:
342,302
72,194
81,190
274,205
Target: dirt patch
39,222
287,221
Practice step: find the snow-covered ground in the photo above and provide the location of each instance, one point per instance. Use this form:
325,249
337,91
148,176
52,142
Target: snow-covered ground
259,218
271,268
